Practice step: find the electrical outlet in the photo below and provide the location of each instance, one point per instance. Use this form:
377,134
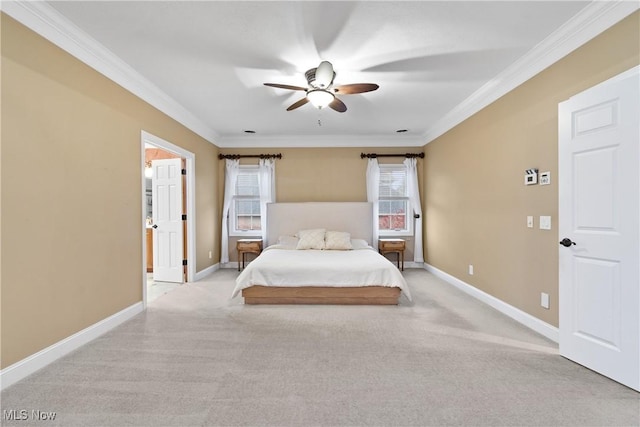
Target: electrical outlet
544,300
530,221
471,269
210,255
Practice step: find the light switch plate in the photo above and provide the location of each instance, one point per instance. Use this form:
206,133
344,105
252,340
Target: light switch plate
530,221
545,222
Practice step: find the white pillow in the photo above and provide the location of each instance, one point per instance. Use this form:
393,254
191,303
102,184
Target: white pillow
288,242
359,244
311,239
337,240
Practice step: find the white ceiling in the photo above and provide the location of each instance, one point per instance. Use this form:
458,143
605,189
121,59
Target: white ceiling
429,58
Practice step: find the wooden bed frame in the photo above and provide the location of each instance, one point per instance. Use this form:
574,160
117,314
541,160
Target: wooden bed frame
366,295
286,219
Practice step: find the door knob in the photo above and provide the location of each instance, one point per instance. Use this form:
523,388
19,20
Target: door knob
567,242
156,226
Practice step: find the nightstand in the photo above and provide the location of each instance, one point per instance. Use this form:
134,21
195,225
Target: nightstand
393,245
247,246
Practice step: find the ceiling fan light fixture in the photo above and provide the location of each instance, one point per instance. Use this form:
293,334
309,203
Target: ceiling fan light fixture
320,98
324,74
320,91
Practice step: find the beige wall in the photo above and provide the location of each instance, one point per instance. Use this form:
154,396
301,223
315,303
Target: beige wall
322,175
71,193
476,202
71,187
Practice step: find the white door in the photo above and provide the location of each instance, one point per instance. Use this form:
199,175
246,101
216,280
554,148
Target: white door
599,215
167,220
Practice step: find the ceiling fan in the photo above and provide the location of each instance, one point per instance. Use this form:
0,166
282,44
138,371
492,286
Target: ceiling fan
321,92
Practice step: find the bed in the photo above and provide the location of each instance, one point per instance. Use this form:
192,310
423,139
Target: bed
283,274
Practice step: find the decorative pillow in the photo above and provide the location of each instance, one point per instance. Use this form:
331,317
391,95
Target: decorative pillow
337,240
289,242
311,239
359,244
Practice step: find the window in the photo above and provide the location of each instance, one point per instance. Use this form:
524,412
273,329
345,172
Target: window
394,208
244,213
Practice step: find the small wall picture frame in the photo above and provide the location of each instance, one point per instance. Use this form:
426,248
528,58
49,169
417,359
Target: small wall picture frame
545,178
530,176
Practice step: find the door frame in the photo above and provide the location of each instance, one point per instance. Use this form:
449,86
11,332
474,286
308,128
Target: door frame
190,159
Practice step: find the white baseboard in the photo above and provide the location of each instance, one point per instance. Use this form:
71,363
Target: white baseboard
19,370
412,264
230,264
518,315
207,271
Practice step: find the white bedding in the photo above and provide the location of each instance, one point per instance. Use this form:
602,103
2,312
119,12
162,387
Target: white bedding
291,268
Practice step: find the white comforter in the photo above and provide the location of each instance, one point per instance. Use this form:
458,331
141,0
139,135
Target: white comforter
289,267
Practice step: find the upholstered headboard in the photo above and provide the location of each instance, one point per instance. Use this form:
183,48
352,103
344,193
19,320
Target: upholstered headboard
286,219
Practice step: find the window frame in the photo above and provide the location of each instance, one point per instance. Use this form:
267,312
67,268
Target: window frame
233,230
409,220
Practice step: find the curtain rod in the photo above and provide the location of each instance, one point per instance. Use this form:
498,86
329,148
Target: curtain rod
407,155
255,156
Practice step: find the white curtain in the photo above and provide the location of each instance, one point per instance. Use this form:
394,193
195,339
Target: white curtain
373,190
230,179
414,196
267,182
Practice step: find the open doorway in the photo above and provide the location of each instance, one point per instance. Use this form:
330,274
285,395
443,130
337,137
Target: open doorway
168,207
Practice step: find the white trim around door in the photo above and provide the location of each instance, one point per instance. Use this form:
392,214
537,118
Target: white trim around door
190,162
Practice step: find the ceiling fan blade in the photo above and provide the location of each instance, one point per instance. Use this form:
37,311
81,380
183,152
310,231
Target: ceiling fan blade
297,104
324,74
356,88
285,86
338,105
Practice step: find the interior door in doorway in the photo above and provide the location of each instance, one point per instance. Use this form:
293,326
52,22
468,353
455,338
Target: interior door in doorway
599,232
168,247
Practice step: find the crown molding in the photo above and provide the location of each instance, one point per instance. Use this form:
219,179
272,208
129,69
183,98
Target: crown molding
313,141
595,18
50,24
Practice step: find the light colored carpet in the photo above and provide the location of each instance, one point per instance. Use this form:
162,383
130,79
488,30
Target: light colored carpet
195,358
